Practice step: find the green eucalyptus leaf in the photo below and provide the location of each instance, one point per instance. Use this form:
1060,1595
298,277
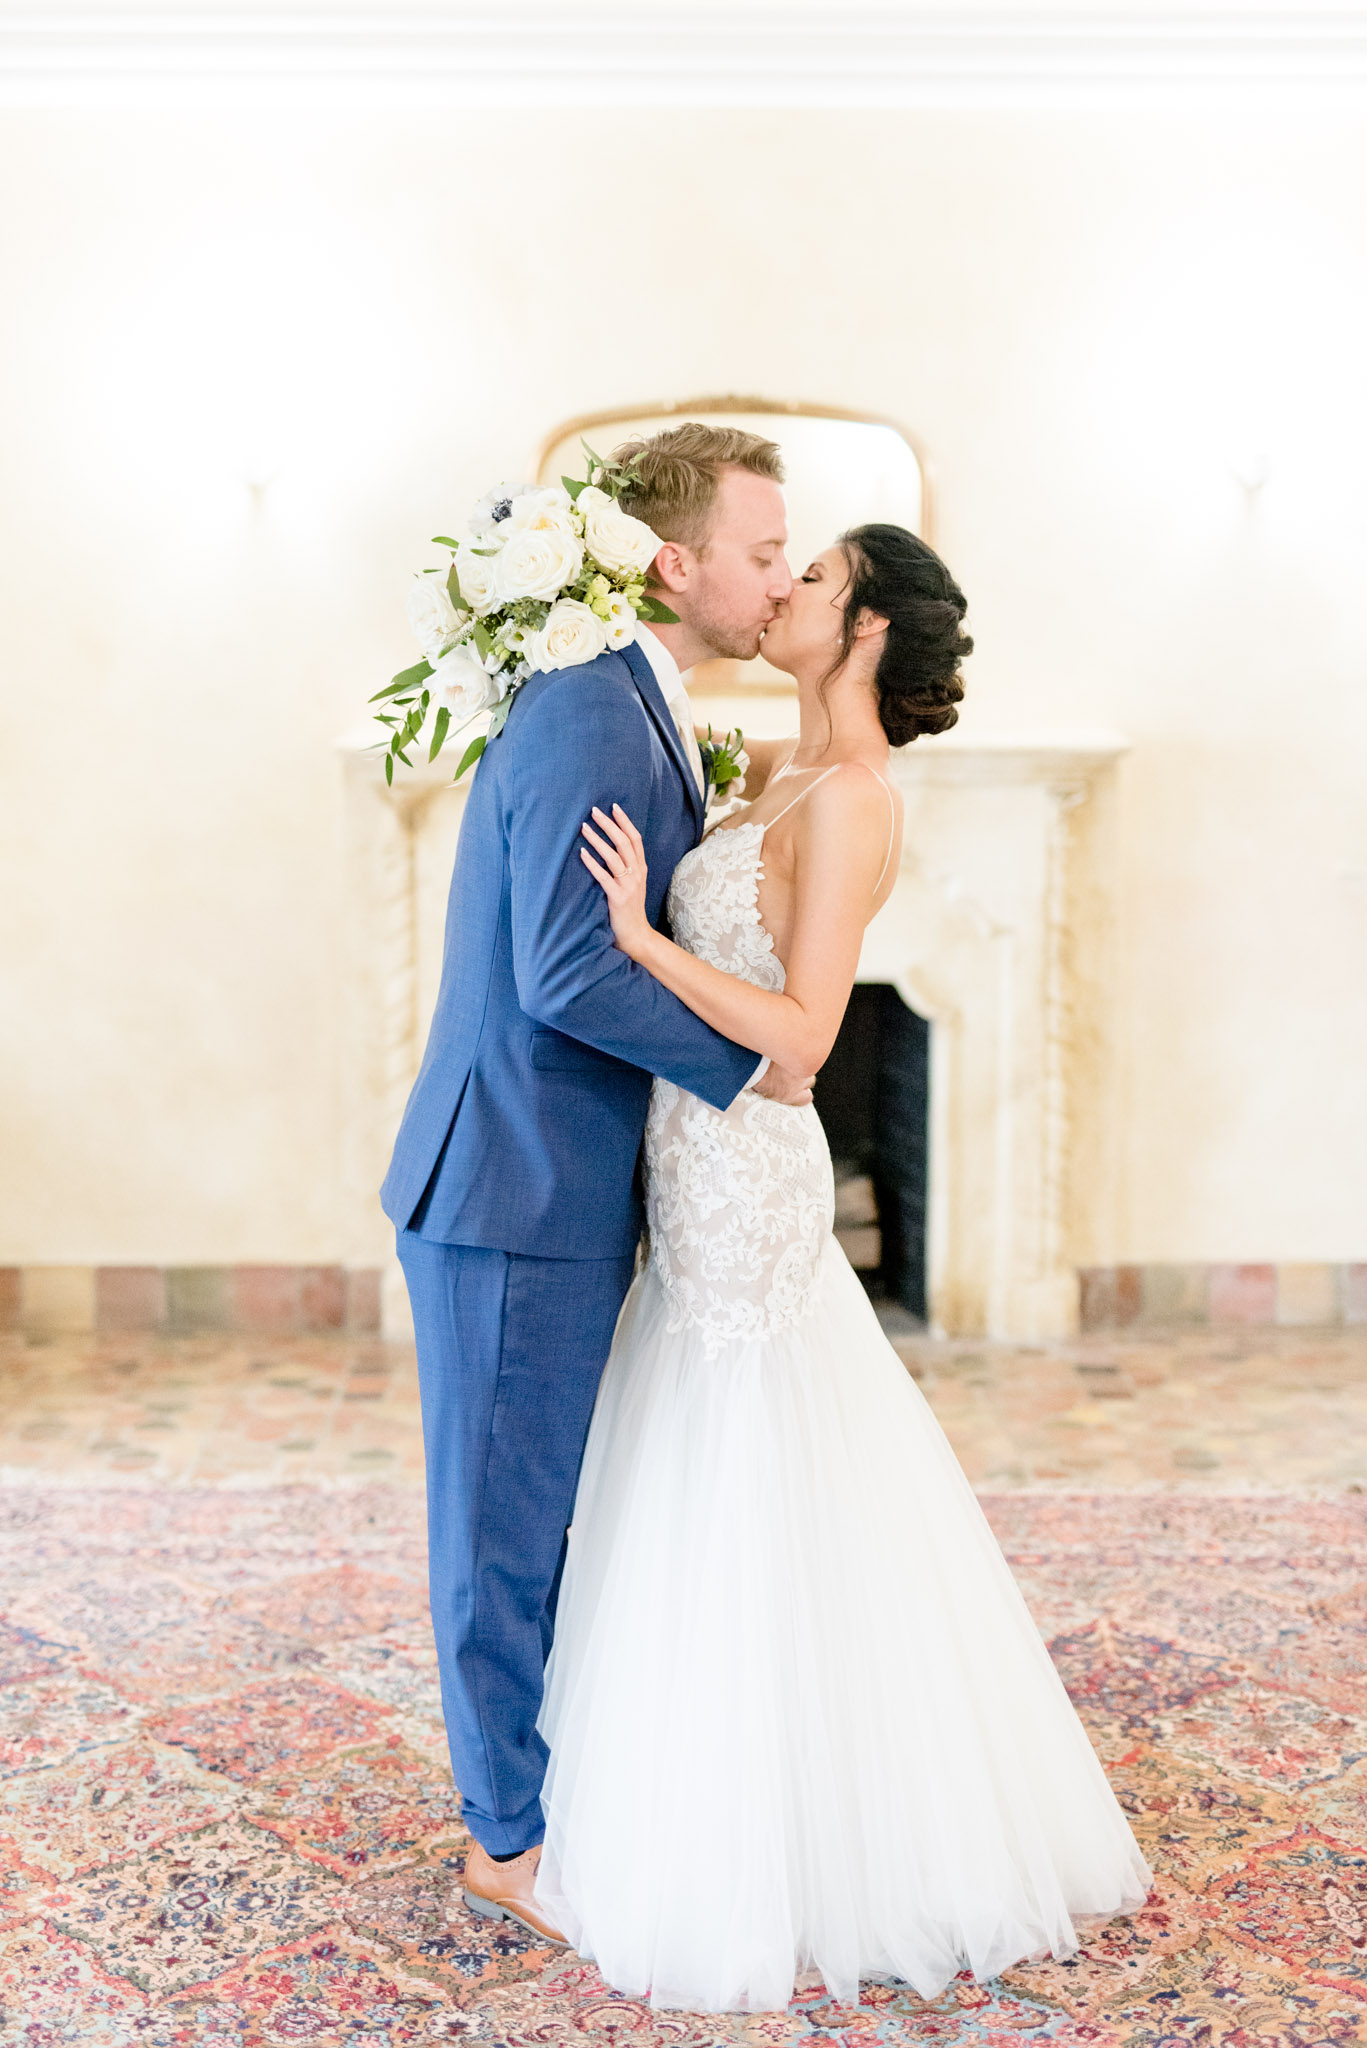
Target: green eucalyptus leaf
574,485
469,757
444,540
389,770
651,609
407,679
453,589
498,718
439,730
484,640
404,758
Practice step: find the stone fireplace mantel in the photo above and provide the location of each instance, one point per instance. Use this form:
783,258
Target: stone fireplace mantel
999,931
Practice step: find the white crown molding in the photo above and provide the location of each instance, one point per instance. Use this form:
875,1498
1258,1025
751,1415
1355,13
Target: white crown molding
755,53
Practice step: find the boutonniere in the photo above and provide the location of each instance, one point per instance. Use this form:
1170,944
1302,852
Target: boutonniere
725,762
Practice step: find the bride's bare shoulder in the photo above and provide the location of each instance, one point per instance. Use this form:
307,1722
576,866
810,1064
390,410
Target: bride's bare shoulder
856,810
855,789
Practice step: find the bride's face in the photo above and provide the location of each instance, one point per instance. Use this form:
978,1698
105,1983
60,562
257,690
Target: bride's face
805,637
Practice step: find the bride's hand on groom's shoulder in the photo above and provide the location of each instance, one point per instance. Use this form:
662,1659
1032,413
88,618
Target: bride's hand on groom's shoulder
621,873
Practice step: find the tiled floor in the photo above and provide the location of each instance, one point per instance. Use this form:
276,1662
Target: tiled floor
1203,1410
204,1411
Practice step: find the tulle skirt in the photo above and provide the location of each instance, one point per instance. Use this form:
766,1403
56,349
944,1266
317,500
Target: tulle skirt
799,1715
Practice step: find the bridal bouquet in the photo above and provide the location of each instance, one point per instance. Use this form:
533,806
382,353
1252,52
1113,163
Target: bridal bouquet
548,576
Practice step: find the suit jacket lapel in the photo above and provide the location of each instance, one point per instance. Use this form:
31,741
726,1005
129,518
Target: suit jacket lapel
643,675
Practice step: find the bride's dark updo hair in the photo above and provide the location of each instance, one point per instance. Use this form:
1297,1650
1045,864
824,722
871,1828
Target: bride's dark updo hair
905,582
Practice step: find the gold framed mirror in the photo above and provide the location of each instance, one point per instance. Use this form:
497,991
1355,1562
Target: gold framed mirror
842,468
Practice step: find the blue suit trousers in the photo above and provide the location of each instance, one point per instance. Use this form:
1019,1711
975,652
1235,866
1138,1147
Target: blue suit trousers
510,1353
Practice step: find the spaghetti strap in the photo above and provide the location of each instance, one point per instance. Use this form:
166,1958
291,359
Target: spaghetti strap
892,805
798,798
892,829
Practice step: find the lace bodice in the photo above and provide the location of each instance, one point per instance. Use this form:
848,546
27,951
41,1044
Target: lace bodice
714,907
740,1201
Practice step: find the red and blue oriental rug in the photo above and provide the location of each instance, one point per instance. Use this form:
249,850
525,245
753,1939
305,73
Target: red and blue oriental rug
229,1822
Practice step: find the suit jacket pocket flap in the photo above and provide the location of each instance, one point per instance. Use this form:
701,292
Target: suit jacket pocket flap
570,1055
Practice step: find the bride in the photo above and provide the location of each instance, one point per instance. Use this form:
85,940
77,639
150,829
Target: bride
798,1713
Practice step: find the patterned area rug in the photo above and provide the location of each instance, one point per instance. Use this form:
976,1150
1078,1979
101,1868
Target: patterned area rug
229,1819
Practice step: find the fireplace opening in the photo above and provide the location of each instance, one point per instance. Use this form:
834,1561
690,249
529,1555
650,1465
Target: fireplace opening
873,1098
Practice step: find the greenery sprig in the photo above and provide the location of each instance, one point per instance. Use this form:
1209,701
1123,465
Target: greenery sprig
724,759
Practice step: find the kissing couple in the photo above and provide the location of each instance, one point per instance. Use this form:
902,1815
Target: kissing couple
737,1682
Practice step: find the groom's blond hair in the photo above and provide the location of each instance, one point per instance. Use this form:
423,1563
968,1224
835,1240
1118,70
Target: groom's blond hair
680,471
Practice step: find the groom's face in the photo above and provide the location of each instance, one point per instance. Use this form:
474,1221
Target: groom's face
739,576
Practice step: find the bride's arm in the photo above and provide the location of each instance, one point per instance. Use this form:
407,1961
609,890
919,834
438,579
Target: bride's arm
847,820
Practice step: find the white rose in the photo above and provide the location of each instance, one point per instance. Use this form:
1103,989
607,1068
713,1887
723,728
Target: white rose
478,576
431,614
621,622
572,633
612,536
538,561
550,510
462,683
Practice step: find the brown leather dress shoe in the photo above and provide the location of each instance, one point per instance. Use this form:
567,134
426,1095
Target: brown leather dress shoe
503,1891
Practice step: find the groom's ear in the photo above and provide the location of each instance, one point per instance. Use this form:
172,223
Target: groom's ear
671,566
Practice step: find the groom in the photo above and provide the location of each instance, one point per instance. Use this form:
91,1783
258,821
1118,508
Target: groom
513,1184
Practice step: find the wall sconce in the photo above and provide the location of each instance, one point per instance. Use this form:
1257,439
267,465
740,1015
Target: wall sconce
1250,469
258,480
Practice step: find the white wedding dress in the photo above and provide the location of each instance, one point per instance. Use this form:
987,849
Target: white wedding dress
799,1715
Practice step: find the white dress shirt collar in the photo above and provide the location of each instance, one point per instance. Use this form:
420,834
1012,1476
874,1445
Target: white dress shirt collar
672,688
665,668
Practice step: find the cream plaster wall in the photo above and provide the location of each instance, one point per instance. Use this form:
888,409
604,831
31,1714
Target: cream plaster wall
250,360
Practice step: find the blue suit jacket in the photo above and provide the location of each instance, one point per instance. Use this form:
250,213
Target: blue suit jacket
525,1121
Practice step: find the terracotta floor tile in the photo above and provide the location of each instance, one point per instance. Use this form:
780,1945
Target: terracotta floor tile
1201,1408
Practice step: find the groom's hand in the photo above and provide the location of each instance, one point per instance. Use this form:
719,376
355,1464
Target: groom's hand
794,1090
